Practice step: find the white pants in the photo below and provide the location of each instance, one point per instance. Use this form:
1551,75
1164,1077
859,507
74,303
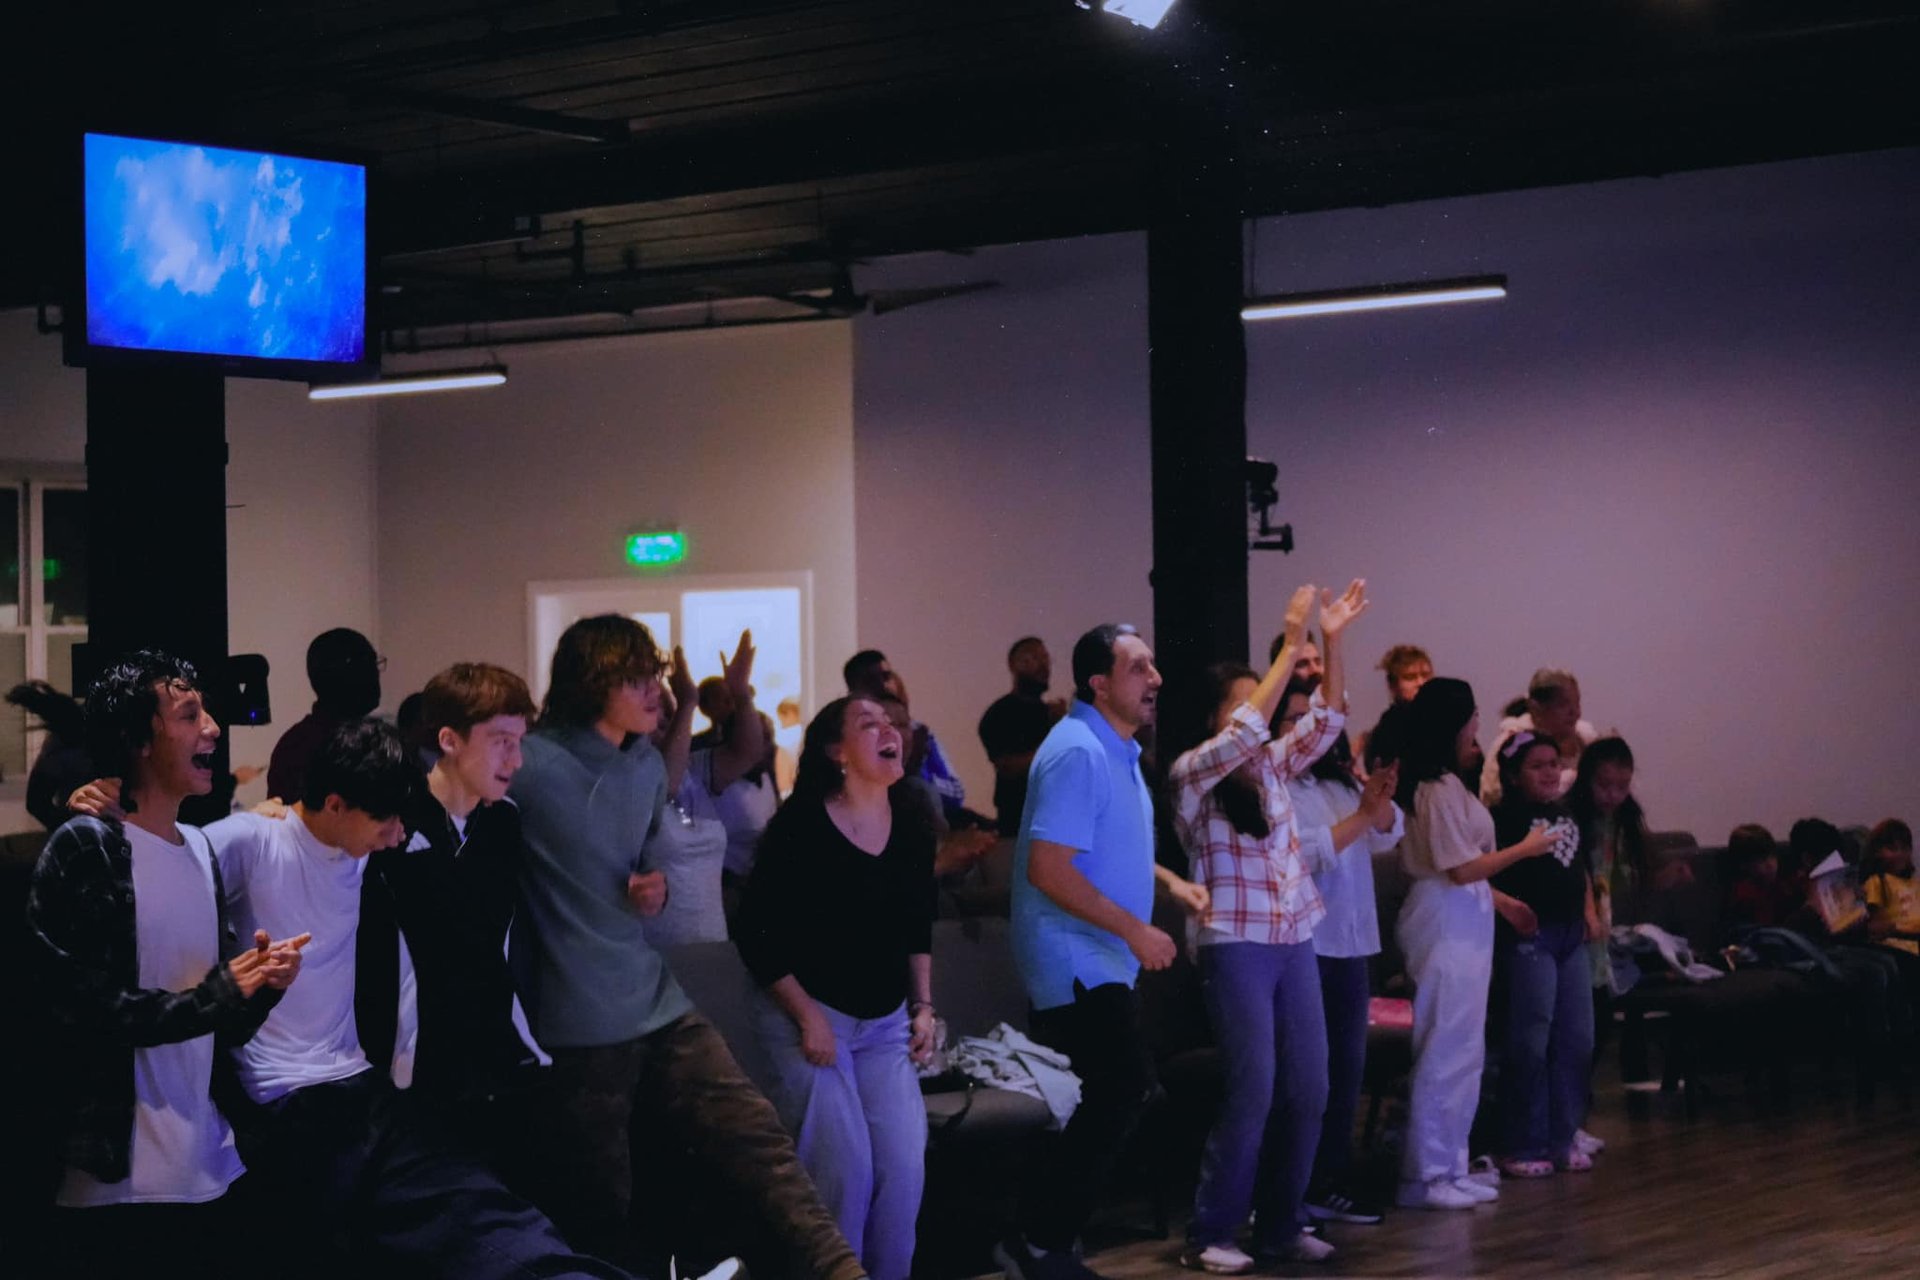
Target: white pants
1446,933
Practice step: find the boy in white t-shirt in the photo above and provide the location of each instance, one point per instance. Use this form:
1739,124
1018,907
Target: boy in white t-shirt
144,977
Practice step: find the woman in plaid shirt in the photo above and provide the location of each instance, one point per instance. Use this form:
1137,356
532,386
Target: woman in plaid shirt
1257,965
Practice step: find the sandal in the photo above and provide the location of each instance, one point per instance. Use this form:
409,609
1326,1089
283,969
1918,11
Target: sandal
1528,1168
1575,1161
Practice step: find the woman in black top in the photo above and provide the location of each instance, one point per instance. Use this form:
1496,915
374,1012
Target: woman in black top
1545,908
837,928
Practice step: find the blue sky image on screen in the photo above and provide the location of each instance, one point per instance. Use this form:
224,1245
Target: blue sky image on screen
236,253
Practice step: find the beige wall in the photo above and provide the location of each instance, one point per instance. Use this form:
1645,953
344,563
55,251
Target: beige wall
742,439
1001,456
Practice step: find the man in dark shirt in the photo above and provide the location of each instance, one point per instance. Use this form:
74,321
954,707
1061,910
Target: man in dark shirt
345,674
1015,725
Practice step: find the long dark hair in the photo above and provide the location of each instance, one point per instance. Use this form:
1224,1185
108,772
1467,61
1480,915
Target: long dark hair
1629,820
1239,798
818,777
1430,748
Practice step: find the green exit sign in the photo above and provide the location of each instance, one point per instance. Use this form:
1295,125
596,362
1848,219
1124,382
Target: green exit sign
651,549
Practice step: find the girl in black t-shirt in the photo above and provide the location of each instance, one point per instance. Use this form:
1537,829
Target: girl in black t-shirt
1546,912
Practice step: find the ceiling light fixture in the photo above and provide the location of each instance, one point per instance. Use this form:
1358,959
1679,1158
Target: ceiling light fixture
1145,13
1385,297
491,375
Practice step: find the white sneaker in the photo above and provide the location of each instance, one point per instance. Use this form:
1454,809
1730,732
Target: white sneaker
1218,1259
1588,1143
1484,1193
1304,1247
1441,1193
1484,1170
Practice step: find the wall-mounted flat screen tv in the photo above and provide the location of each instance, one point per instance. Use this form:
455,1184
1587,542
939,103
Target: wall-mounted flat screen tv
253,261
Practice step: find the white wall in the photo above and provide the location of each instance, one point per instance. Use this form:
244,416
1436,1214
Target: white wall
1001,444
1680,460
299,523
300,541
743,439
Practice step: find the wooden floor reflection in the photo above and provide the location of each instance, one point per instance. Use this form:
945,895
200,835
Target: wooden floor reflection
1823,1190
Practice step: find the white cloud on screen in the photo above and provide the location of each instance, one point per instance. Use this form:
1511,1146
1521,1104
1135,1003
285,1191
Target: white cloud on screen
194,219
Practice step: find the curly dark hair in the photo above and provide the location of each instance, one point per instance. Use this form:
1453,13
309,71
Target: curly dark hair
121,706
366,763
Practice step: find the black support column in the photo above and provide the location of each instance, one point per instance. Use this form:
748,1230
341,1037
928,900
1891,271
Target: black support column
1198,367
157,527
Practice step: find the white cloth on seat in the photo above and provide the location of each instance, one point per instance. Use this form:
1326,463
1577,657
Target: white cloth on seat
1006,1059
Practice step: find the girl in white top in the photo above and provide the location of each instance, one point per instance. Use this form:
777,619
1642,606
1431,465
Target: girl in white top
1446,933
1343,825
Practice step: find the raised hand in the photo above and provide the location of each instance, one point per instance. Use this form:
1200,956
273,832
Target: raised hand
680,680
98,799
739,669
1336,614
1293,628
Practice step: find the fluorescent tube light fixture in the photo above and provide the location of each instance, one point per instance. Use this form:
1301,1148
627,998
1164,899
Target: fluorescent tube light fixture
1386,297
412,383
1145,13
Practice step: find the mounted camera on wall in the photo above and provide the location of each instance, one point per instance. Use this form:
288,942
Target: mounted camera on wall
1263,495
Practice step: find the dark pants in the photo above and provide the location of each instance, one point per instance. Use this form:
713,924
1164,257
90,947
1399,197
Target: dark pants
1100,1032
350,1158
682,1084
1546,1065
1345,994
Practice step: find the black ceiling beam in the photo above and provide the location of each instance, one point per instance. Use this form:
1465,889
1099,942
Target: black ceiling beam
504,115
916,130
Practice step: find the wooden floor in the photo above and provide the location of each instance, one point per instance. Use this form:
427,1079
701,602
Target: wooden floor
1824,1189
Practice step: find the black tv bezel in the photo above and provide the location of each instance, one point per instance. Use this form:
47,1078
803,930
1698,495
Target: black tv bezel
79,352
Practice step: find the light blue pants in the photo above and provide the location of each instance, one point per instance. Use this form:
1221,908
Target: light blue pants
860,1126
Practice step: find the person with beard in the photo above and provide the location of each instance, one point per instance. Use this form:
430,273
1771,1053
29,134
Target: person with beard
1083,880
1446,933
1014,727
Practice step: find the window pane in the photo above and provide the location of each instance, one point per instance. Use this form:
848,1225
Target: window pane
13,721
713,620
10,558
65,563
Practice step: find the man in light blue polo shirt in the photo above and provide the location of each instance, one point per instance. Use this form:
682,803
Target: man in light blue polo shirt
1082,900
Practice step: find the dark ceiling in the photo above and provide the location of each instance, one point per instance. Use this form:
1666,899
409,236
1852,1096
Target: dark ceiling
690,160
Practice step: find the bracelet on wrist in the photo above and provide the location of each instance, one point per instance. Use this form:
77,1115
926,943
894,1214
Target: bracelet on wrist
914,1007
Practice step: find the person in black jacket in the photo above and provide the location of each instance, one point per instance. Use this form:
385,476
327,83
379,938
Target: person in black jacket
144,979
837,928
449,889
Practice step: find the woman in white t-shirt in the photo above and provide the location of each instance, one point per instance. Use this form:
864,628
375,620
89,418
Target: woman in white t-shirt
1446,934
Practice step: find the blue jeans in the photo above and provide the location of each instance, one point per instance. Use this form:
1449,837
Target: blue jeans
1547,1054
1264,999
860,1126
1345,991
